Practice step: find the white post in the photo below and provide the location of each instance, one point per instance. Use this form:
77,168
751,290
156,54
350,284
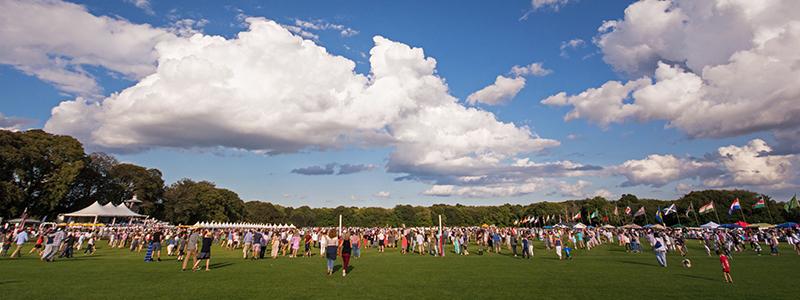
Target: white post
340,225
441,237
95,219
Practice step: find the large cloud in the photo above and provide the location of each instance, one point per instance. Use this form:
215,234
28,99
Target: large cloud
722,68
731,166
270,91
55,41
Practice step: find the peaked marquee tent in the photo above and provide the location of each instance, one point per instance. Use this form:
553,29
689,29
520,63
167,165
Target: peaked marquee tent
709,225
108,210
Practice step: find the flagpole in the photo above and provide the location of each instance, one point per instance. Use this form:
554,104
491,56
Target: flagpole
715,211
741,210
766,205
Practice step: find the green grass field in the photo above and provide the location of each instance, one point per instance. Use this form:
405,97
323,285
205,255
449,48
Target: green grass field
605,272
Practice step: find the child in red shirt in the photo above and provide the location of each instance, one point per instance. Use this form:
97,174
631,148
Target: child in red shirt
726,266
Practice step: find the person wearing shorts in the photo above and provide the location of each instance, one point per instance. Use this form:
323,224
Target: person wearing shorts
38,246
156,243
191,249
205,252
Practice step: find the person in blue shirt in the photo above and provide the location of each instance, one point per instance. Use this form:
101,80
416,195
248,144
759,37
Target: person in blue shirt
568,252
496,242
248,242
525,252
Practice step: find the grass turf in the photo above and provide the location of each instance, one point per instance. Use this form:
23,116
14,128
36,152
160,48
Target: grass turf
604,272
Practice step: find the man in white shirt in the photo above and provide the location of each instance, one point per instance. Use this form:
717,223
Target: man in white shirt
22,237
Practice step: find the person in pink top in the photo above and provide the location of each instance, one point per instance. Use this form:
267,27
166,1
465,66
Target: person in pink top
295,244
354,242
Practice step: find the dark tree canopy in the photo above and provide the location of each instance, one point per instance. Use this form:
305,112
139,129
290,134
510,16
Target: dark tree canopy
50,174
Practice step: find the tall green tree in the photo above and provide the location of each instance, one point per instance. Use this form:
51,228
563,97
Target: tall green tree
38,170
188,202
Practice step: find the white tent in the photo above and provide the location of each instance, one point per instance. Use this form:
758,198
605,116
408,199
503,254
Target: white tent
102,211
709,225
579,226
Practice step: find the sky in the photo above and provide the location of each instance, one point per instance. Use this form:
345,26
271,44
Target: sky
379,103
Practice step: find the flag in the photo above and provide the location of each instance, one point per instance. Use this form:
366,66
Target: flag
576,216
792,204
516,222
659,218
24,216
548,219
690,209
670,209
639,212
536,220
760,203
594,215
628,210
734,206
707,208
616,211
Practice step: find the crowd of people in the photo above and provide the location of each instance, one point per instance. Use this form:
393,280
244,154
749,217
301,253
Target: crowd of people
194,244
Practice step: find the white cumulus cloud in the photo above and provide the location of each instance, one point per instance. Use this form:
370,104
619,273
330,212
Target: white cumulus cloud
270,91
710,68
732,166
55,41
501,91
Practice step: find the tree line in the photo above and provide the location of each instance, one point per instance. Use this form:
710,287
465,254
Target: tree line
51,174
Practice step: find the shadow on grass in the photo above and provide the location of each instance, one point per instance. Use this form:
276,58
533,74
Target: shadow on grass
9,281
220,265
696,277
637,263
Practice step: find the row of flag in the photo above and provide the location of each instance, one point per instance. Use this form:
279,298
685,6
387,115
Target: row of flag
707,208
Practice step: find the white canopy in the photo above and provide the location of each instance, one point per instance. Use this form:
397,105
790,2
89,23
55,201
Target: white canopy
108,210
709,225
579,226
241,225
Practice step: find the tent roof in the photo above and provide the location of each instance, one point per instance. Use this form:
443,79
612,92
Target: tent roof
710,225
108,210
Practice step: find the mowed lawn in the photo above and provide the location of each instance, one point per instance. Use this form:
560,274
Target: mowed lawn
606,272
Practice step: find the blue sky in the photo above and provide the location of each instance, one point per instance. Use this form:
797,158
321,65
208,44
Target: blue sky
472,42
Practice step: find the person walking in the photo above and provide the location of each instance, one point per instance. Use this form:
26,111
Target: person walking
331,249
21,238
276,245
157,238
191,249
660,249
345,249
205,251
726,266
